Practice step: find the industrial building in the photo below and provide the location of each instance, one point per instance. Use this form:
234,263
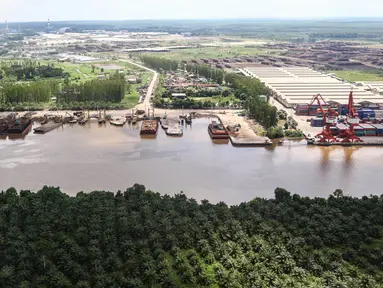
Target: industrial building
373,85
297,85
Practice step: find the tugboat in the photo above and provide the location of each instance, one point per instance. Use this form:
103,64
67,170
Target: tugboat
217,131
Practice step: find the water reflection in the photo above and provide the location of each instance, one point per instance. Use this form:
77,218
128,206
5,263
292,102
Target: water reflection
74,157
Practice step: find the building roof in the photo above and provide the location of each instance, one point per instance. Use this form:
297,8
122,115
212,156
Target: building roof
297,85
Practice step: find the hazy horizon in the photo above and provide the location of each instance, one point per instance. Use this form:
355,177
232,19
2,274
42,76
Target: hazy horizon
99,10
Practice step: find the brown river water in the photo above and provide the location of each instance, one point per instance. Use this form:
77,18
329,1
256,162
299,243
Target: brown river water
92,157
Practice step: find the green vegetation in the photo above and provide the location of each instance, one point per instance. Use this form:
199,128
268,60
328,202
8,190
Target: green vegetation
132,95
215,75
359,75
30,70
24,85
249,89
33,92
160,63
292,133
108,90
139,238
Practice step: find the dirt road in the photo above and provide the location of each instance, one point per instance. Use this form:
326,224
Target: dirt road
146,104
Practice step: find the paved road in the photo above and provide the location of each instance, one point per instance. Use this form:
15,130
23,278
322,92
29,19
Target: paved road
86,76
152,86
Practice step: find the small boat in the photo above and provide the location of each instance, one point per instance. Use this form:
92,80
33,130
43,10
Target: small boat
72,121
174,131
117,121
217,131
310,140
83,121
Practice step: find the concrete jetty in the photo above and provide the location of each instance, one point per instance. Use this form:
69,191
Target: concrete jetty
246,135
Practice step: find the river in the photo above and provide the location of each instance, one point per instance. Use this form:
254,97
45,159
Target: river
92,157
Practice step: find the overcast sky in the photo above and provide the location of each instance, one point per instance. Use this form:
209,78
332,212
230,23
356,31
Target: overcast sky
40,10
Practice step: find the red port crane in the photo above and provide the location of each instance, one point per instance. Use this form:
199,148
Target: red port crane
329,118
352,120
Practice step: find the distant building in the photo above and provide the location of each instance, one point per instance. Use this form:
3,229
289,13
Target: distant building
64,30
131,79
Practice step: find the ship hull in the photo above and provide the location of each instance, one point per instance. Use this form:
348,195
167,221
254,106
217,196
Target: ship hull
217,135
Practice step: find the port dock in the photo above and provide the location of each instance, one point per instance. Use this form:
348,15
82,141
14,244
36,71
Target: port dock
367,141
245,137
47,127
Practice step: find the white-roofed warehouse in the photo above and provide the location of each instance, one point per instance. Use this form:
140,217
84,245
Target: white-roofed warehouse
297,85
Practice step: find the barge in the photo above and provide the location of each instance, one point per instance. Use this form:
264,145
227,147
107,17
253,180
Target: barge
217,131
47,127
149,127
3,128
20,126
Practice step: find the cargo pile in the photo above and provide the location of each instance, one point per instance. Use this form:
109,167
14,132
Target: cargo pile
149,127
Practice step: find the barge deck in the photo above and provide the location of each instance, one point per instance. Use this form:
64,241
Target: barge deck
47,127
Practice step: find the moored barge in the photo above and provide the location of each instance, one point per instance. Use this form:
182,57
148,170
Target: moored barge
149,127
20,126
217,131
47,127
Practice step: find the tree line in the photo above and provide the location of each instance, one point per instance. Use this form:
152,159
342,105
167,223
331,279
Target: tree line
214,74
33,92
108,90
249,89
139,238
159,63
30,70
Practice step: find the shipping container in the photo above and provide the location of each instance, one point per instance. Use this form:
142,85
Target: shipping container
378,114
369,130
317,122
358,130
366,114
341,127
379,129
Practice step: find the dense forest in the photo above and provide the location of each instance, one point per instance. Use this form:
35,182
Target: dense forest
159,63
139,238
32,92
216,75
29,70
91,94
108,90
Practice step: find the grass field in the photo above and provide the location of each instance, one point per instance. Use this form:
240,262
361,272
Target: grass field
84,71
359,75
213,52
132,96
